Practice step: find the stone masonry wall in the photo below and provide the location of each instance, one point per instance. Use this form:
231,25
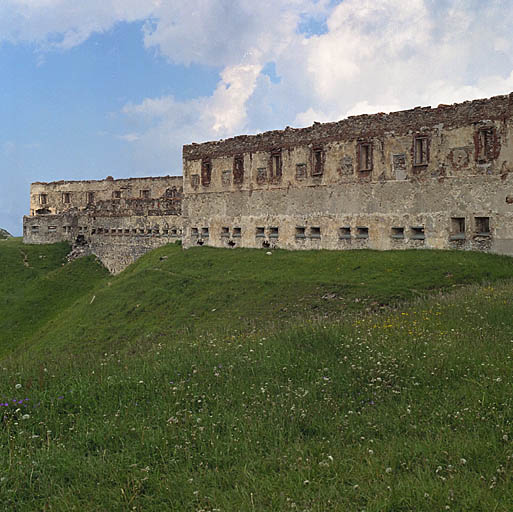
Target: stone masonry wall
425,177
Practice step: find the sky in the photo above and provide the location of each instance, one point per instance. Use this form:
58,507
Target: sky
98,88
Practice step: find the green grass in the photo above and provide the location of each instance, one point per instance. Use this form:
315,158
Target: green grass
322,381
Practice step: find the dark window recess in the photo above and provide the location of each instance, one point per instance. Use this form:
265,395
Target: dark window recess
276,165
204,232
260,232
485,145
194,232
300,232
237,232
344,233
90,197
482,226
116,194
174,232
66,197
93,231
300,171
365,156
225,232
195,180
420,151
238,170
43,199
457,228
398,233
165,231
145,194
35,229
120,231
52,228
417,233
318,162
127,231
362,232
206,172
315,232
273,232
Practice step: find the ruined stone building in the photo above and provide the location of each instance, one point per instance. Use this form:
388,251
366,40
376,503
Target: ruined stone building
118,220
427,177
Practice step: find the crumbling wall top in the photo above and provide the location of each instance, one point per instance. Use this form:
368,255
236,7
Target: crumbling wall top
362,126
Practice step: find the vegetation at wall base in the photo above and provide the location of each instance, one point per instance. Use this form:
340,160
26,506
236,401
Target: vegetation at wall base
236,380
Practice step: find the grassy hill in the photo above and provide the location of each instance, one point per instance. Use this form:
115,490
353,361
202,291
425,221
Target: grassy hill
236,380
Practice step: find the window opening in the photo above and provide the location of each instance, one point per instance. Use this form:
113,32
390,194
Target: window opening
315,232
417,233
362,232
482,226
420,151
344,233
398,233
457,228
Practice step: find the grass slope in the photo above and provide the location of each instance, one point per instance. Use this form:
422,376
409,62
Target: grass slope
356,408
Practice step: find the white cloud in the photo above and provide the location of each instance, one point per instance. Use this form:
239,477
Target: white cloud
376,55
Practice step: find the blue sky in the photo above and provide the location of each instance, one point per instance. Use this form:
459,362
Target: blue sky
116,87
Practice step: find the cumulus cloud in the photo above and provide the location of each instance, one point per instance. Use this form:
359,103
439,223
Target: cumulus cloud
373,55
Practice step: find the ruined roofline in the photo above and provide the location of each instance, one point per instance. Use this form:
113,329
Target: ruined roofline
362,126
108,179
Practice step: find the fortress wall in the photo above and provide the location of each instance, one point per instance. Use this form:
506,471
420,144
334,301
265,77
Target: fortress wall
331,217
61,196
445,171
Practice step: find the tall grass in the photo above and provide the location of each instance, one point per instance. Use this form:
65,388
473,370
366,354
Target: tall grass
364,407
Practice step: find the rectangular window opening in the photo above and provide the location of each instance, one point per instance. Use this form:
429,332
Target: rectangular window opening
318,162
238,169
260,232
194,232
66,197
35,229
225,232
90,197
300,232
397,233
237,232
43,198
420,151
315,232
362,232
205,232
365,160
485,144
116,194
276,164
273,232
206,172
417,233
457,228
52,228
344,233
482,226
145,194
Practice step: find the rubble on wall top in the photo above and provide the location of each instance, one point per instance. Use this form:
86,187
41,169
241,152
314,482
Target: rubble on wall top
358,127
108,179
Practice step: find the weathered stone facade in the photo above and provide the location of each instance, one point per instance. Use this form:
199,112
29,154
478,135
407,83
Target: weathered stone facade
118,220
426,177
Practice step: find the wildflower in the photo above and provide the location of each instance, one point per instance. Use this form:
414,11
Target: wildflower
463,461
18,386
388,470
25,417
